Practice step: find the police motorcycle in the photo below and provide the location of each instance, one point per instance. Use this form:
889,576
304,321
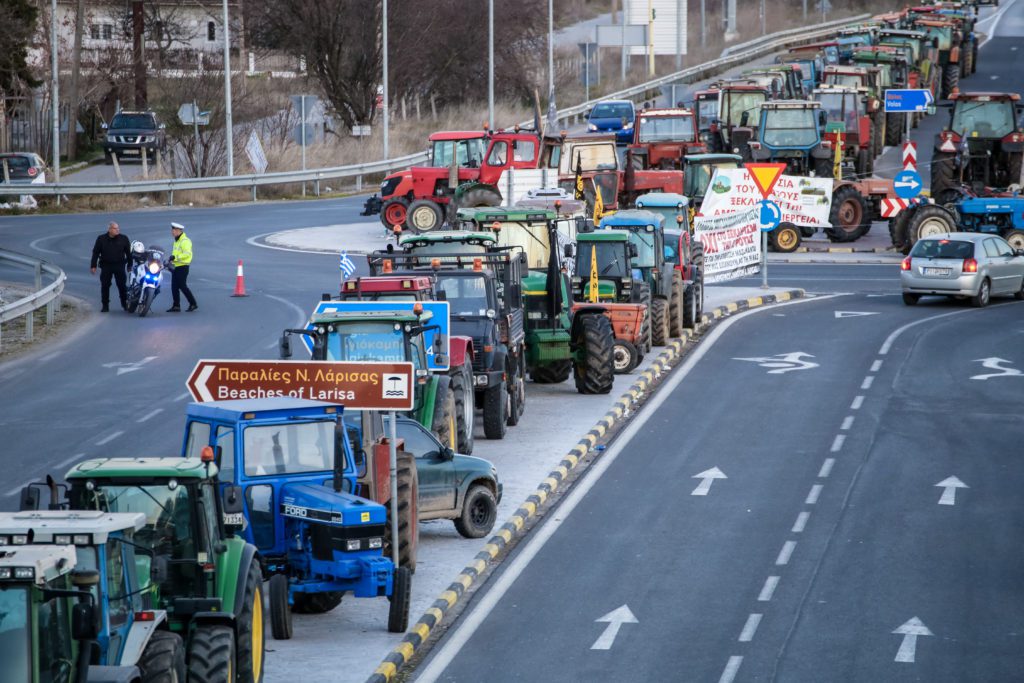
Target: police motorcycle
144,278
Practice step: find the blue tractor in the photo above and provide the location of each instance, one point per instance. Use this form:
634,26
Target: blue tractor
1003,216
291,463
791,132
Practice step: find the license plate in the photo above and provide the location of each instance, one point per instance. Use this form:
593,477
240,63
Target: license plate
130,152
935,271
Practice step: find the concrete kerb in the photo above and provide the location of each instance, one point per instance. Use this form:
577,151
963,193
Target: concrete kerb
512,529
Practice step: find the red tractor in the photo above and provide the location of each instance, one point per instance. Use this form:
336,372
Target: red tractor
464,172
662,137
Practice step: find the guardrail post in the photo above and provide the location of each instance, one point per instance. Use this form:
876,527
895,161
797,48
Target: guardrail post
170,197
316,187
39,276
254,191
50,312
29,322
359,183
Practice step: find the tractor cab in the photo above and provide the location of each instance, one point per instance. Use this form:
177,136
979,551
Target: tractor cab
848,124
892,63
705,105
793,78
596,160
610,253
646,233
790,132
663,137
463,148
739,111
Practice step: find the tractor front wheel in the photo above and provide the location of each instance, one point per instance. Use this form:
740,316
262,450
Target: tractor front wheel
824,168
462,387
516,391
659,321
401,593
163,660
212,654
785,239
943,170
849,209
394,212
554,372
280,610
625,356
690,315
1015,238
495,411
408,524
251,644
424,215
443,423
863,164
893,128
595,372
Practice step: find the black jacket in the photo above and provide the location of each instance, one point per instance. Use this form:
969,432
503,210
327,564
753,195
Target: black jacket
111,251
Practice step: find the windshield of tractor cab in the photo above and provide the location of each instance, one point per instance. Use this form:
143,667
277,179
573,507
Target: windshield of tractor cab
532,237
431,248
289,448
666,129
644,242
846,80
707,111
370,341
740,102
15,647
470,152
984,119
590,157
467,294
696,179
611,259
841,107
790,128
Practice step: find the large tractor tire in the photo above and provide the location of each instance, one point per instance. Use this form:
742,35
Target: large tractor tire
893,128
316,603
476,197
554,372
280,610
643,296
625,357
878,135
443,423
966,56
400,599
516,390
950,79
424,216
659,321
898,229
496,411
849,218
677,308
249,626
163,659
943,170
595,373
408,524
691,318
863,165
785,238
824,168
465,410
1013,168
974,54
394,211
212,654
1015,238
929,220
698,260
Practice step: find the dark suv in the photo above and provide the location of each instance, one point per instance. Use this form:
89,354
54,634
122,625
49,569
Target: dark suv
130,132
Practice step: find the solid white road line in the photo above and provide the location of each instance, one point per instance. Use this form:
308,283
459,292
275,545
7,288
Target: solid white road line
459,636
826,468
750,628
995,17
858,401
770,584
150,414
812,496
891,339
787,551
847,423
837,444
866,384
106,440
801,522
731,669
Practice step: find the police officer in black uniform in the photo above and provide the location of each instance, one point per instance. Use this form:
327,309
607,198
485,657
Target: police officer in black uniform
112,252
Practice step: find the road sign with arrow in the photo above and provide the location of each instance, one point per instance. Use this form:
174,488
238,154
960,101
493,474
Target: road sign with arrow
907,184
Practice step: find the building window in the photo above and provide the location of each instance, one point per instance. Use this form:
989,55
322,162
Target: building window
108,31
211,31
94,31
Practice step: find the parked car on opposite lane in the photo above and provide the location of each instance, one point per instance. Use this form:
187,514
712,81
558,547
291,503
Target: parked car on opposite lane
962,265
23,168
130,132
613,116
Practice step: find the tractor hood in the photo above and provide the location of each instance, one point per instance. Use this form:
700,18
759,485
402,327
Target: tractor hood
322,504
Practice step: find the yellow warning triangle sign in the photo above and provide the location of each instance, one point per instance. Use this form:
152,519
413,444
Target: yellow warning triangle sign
765,176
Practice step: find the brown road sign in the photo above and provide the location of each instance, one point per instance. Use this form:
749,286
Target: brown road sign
362,386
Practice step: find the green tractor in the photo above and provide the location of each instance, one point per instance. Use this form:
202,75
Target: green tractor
559,340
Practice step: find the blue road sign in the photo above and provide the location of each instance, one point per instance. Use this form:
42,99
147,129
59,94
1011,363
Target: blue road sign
440,317
907,100
907,184
771,215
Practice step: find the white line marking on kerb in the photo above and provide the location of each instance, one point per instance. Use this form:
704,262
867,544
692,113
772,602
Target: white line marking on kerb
837,444
826,468
858,401
731,668
105,441
787,551
812,496
770,584
847,423
151,414
534,543
750,628
866,384
801,522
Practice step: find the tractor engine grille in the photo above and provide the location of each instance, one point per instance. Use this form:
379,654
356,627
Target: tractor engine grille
326,538
478,354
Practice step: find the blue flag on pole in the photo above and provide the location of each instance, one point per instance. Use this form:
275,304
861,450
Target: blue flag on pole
347,266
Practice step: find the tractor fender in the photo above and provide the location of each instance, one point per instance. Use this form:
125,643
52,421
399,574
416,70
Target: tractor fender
138,637
820,152
467,187
666,276
579,314
214,618
235,567
460,350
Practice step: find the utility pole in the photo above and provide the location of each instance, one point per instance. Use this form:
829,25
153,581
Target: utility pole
703,22
139,53
551,58
76,67
730,20
625,55
228,126
805,11
650,38
490,64
55,94
384,46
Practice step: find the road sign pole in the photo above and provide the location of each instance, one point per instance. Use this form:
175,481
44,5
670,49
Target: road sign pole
764,260
199,144
393,464
907,118
302,127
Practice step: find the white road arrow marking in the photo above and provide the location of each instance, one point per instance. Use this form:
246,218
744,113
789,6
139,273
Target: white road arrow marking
615,619
706,477
910,631
854,314
994,363
783,362
949,485
201,388
123,367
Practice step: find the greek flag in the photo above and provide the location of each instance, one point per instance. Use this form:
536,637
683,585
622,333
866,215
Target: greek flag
347,266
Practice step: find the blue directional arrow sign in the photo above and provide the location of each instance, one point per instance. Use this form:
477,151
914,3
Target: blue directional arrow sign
907,100
771,215
907,184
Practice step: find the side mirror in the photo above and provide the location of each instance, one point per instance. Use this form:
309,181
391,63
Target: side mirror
29,498
568,251
447,453
633,252
440,344
232,500
284,346
84,624
159,570
822,118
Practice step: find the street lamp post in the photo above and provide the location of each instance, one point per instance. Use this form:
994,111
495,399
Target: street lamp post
490,62
551,58
384,45
228,130
55,94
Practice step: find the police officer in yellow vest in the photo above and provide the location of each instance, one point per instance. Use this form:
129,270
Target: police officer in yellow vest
181,257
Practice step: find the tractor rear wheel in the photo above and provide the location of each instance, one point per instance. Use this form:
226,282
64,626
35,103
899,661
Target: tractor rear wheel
408,524
251,644
212,654
474,198
950,79
516,391
785,239
280,610
929,220
625,357
495,411
424,215
443,422
893,128
943,170
1013,168
697,256
595,373
824,168
690,315
1015,238
163,659
877,135
659,321
401,592
465,412
394,212
316,603
898,229
863,163
848,216
677,308
554,372
643,296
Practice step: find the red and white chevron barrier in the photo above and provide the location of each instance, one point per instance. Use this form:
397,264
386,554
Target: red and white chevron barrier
909,156
891,206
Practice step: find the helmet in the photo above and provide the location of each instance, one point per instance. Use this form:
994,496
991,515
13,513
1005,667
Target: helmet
138,247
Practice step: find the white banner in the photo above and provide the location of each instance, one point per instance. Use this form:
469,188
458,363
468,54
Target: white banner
254,150
804,201
732,244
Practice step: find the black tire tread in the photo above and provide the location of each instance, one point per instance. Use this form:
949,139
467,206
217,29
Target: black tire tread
408,528
211,655
595,373
464,524
253,578
163,656
659,321
495,411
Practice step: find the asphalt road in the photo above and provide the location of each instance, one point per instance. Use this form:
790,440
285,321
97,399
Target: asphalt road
832,421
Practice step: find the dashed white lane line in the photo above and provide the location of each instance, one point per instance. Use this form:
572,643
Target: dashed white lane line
812,496
732,667
787,551
68,461
858,401
826,468
182,397
837,444
847,423
876,366
104,441
866,384
770,584
151,414
750,628
801,522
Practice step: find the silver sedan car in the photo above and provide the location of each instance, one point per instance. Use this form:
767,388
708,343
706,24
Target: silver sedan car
965,265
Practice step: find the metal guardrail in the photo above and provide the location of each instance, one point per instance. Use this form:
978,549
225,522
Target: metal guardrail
48,296
743,53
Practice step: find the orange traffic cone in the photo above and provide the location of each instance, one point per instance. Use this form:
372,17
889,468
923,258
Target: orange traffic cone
240,281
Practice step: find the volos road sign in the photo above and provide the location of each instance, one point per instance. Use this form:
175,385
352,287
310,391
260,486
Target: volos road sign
907,100
361,386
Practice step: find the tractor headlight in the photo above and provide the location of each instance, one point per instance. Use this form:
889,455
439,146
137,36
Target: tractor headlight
62,539
24,573
83,539
376,543
352,544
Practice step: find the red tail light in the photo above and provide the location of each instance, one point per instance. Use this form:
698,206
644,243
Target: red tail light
32,171
970,265
145,616
905,264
